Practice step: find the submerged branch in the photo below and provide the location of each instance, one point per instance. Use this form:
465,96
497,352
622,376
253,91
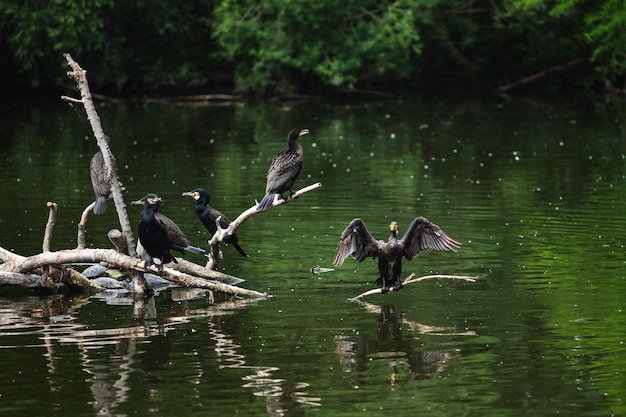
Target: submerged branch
411,280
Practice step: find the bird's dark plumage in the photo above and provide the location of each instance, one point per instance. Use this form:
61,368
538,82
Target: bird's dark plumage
284,169
158,233
357,241
100,180
208,215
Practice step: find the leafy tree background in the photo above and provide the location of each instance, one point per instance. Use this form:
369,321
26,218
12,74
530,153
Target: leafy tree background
302,46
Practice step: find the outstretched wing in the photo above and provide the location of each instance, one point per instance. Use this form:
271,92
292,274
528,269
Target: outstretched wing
356,241
423,234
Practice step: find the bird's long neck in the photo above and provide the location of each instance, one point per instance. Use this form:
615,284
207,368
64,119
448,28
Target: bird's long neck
393,236
148,213
295,146
201,206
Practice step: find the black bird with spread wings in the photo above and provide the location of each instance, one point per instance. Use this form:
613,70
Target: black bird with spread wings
208,215
158,234
357,241
284,169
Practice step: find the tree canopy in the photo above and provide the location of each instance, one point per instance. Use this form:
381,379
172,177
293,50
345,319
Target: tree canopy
281,47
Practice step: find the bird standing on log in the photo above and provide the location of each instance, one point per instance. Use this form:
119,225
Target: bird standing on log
158,234
208,215
357,241
284,170
100,180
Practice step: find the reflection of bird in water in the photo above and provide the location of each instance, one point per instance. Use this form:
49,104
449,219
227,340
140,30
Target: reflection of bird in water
158,233
284,169
100,180
208,215
397,341
356,241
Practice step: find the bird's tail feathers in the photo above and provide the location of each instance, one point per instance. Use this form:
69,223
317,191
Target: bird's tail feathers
241,251
266,202
101,205
196,250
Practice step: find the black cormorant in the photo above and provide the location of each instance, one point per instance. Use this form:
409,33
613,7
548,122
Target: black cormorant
208,215
356,241
158,233
100,180
284,169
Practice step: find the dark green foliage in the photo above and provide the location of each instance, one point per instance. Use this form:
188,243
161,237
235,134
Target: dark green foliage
145,44
274,42
288,46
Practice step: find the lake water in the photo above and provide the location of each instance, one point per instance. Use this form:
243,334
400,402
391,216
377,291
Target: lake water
535,191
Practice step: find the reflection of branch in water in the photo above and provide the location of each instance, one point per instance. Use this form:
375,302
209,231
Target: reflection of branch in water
107,391
358,354
226,348
53,322
279,394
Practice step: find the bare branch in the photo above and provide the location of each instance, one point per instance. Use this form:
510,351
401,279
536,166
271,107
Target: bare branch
539,75
72,99
411,280
117,238
82,225
215,256
15,267
79,75
191,268
47,237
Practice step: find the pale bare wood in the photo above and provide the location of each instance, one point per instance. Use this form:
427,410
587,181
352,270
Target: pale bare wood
16,267
411,280
79,75
82,225
215,255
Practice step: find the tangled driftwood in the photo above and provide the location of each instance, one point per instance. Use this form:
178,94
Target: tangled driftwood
54,270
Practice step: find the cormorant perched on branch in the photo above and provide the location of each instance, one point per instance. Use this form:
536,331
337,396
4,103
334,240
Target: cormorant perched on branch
356,241
208,215
101,181
284,169
158,233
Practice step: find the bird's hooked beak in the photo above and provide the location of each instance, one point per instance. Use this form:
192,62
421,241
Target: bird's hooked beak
154,200
393,227
144,200
193,194
303,132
